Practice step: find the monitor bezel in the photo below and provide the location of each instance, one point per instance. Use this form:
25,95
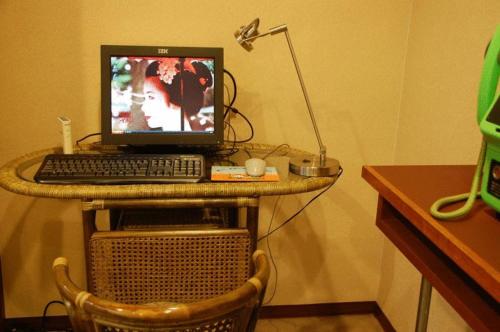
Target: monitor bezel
184,139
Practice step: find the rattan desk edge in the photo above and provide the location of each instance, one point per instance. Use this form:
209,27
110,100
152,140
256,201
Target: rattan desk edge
11,180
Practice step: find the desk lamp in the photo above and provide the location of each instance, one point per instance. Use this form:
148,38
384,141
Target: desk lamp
306,166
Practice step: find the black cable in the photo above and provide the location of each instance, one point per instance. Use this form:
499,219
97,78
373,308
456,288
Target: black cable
226,153
234,88
276,149
271,254
227,110
235,110
228,120
85,137
231,108
223,154
302,209
44,316
233,148
271,152
119,224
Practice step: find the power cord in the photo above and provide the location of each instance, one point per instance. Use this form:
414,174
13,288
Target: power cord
85,137
302,209
275,267
44,316
276,149
233,148
273,151
224,153
269,232
233,99
231,108
236,111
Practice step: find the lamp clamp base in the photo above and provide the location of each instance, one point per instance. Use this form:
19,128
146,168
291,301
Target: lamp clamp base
311,166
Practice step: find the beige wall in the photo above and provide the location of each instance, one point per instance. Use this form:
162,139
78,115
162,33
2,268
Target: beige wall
353,59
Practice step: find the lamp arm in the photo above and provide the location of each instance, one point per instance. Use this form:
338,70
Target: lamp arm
283,28
322,148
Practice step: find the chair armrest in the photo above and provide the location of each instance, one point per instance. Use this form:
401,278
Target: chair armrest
246,295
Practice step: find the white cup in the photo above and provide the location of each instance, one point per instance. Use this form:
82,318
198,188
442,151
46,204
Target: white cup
255,166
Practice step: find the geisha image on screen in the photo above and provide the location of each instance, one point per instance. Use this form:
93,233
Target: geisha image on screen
161,94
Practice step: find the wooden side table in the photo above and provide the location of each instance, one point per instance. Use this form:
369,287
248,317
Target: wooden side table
459,258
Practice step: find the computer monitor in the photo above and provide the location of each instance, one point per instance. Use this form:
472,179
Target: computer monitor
162,96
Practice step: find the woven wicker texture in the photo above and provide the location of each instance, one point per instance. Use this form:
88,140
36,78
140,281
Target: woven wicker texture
230,323
181,281
169,266
14,179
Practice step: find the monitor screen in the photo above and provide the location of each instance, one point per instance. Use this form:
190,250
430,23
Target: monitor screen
161,95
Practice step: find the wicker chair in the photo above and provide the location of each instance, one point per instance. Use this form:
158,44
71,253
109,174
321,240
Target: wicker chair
167,281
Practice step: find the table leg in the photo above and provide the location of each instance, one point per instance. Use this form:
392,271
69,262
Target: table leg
424,302
114,219
2,307
253,225
89,227
253,229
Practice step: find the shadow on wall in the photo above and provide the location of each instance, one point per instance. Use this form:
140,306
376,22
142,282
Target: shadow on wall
44,71
397,288
312,247
36,238
298,252
45,68
363,234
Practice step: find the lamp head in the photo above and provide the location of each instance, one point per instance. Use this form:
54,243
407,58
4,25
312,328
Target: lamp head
245,32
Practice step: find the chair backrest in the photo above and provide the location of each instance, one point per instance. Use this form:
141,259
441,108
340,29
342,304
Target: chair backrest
173,280
181,266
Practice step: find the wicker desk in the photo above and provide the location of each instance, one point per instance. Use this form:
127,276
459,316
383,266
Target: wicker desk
17,176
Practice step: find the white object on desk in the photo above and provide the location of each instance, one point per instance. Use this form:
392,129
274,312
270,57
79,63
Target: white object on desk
255,166
66,134
282,163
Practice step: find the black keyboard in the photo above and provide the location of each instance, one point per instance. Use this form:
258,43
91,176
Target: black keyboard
121,168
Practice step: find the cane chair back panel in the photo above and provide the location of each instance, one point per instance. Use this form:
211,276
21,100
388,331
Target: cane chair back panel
172,266
236,310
